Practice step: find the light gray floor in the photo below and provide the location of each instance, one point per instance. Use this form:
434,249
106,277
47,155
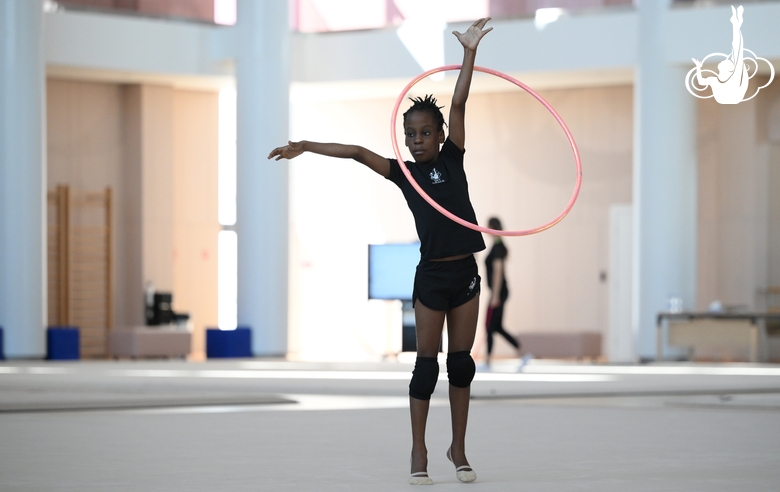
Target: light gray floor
272,425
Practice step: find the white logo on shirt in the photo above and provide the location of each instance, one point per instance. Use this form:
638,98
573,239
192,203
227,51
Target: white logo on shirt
436,177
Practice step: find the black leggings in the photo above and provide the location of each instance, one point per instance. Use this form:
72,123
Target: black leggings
495,319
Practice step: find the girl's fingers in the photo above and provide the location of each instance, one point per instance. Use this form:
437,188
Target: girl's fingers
481,22
277,152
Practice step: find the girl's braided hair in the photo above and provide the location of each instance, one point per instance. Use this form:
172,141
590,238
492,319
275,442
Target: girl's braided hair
427,105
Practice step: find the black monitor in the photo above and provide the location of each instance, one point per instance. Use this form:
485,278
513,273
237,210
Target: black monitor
391,270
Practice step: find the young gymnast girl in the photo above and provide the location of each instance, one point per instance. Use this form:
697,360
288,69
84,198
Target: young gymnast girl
446,283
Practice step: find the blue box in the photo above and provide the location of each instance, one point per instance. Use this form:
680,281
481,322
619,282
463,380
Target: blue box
2,350
62,343
229,343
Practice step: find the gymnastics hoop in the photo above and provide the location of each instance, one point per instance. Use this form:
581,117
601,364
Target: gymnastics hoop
447,213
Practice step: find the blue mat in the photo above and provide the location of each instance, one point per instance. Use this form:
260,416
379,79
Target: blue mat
228,343
62,343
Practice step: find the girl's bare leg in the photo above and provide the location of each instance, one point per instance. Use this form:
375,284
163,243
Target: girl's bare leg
419,411
461,329
429,327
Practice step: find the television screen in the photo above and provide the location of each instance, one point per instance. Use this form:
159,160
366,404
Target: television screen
391,270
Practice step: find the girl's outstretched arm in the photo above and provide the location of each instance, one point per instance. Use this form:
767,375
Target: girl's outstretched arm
470,40
377,163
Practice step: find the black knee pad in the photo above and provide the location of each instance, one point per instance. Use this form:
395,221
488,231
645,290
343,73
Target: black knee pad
426,372
460,368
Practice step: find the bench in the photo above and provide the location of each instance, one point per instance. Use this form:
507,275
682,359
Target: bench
149,341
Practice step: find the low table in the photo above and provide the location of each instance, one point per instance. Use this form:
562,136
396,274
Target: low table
715,329
149,341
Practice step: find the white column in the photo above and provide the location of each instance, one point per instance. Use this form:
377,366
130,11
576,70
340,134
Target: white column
262,82
664,179
621,337
22,178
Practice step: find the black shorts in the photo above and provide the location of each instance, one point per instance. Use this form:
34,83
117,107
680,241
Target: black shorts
443,285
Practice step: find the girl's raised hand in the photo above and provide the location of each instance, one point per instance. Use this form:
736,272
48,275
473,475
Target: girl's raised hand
289,151
470,39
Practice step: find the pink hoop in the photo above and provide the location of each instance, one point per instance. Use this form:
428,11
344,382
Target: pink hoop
444,211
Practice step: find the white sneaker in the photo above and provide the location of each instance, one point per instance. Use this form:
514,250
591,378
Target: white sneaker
524,361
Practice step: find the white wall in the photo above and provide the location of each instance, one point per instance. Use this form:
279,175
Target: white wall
110,43
587,42
573,46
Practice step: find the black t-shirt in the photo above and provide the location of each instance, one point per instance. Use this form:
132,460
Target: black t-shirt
497,252
444,180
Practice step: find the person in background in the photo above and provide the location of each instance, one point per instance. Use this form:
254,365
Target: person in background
495,264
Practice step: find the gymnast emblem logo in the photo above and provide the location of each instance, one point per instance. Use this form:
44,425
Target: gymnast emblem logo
436,177
473,283
729,85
